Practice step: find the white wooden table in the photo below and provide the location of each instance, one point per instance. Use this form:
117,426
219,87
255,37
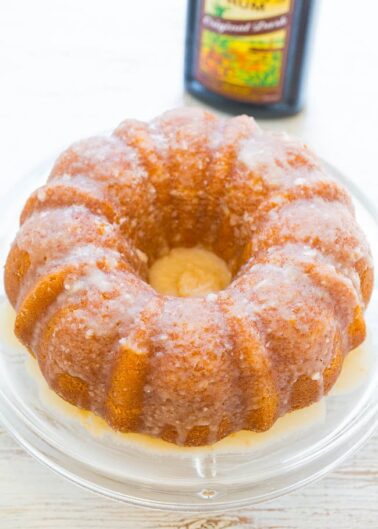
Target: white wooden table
70,68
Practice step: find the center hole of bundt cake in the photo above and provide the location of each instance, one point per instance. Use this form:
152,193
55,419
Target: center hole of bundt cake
189,272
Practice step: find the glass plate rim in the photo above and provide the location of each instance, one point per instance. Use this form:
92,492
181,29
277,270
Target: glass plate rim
368,409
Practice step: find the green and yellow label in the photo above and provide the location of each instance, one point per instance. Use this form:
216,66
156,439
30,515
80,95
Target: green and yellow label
242,48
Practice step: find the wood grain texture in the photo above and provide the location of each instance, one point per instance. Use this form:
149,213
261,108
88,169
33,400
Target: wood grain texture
74,68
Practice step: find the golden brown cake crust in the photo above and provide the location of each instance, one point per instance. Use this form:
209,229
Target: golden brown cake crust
190,370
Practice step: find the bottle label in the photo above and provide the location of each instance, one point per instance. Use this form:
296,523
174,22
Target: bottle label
242,48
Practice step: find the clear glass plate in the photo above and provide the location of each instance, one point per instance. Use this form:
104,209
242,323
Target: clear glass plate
241,470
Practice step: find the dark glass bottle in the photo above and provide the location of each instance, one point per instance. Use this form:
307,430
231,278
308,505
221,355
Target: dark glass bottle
248,56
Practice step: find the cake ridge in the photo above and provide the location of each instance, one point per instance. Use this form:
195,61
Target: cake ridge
190,370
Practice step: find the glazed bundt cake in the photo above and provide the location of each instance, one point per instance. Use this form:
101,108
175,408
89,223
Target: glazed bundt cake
189,370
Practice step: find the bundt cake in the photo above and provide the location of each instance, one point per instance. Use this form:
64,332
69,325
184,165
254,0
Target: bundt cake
189,370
